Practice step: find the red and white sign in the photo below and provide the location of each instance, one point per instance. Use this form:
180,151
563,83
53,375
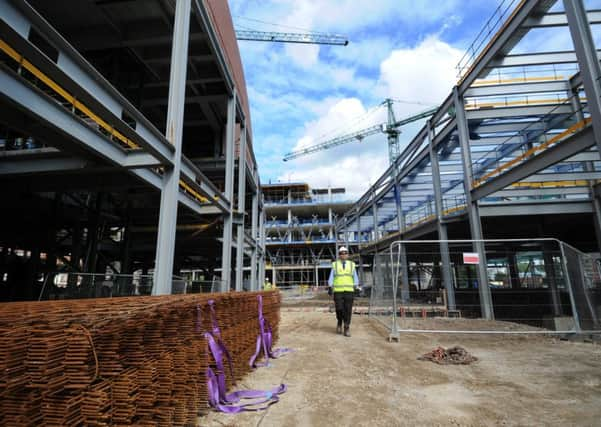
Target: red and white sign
471,258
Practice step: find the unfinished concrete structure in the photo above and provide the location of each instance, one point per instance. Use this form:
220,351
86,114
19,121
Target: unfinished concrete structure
512,152
126,143
299,232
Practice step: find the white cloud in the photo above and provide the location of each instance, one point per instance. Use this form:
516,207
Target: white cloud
344,15
424,73
303,55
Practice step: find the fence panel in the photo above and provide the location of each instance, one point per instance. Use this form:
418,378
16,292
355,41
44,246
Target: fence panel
534,286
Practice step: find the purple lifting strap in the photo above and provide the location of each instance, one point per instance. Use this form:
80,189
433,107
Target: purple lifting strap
265,398
218,398
217,334
265,341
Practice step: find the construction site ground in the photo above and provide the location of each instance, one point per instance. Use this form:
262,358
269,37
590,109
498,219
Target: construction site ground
366,381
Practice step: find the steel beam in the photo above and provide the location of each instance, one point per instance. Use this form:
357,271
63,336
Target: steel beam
558,19
563,176
76,74
472,207
563,150
199,182
226,254
538,192
51,165
531,59
163,272
518,88
542,207
519,111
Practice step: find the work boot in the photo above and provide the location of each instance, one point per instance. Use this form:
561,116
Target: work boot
339,329
347,333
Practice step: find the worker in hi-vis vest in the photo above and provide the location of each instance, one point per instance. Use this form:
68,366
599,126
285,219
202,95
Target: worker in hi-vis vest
342,282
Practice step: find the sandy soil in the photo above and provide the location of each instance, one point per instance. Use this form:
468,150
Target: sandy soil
366,381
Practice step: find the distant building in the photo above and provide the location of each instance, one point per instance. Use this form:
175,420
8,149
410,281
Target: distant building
300,234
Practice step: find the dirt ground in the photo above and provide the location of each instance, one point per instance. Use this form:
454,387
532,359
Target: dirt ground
366,381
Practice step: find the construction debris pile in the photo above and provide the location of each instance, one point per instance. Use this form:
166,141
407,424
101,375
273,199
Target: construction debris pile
120,361
450,356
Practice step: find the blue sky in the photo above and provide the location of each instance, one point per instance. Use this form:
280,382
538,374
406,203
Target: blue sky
303,94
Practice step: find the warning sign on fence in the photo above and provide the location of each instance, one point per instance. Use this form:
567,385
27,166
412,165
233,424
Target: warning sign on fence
471,258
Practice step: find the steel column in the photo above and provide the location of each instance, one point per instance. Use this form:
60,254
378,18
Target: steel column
163,271
588,61
597,219
226,252
241,209
254,228
402,247
261,280
442,228
472,207
374,211
596,205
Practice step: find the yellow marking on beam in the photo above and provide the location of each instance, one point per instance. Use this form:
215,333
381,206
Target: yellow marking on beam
193,192
85,110
474,106
64,94
455,209
491,82
572,129
551,184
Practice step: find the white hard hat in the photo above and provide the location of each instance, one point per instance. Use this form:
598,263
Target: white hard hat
342,249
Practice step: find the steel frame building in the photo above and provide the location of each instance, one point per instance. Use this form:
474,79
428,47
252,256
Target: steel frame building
512,152
126,137
299,232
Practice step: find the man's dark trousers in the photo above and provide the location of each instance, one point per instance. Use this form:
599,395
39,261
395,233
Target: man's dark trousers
344,307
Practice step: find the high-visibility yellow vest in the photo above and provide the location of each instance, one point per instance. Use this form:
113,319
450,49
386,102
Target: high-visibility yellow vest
343,276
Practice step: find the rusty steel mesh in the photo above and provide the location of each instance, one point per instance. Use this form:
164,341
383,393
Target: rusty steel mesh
450,356
120,361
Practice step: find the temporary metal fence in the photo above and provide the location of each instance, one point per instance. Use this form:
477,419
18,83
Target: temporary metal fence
301,292
534,286
67,285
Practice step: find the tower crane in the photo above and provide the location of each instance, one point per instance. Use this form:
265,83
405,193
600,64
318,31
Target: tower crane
304,38
390,128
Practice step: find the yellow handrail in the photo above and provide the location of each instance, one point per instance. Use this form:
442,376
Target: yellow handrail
64,94
20,59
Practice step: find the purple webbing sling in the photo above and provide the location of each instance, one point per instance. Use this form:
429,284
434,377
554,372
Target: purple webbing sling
265,341
216,386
